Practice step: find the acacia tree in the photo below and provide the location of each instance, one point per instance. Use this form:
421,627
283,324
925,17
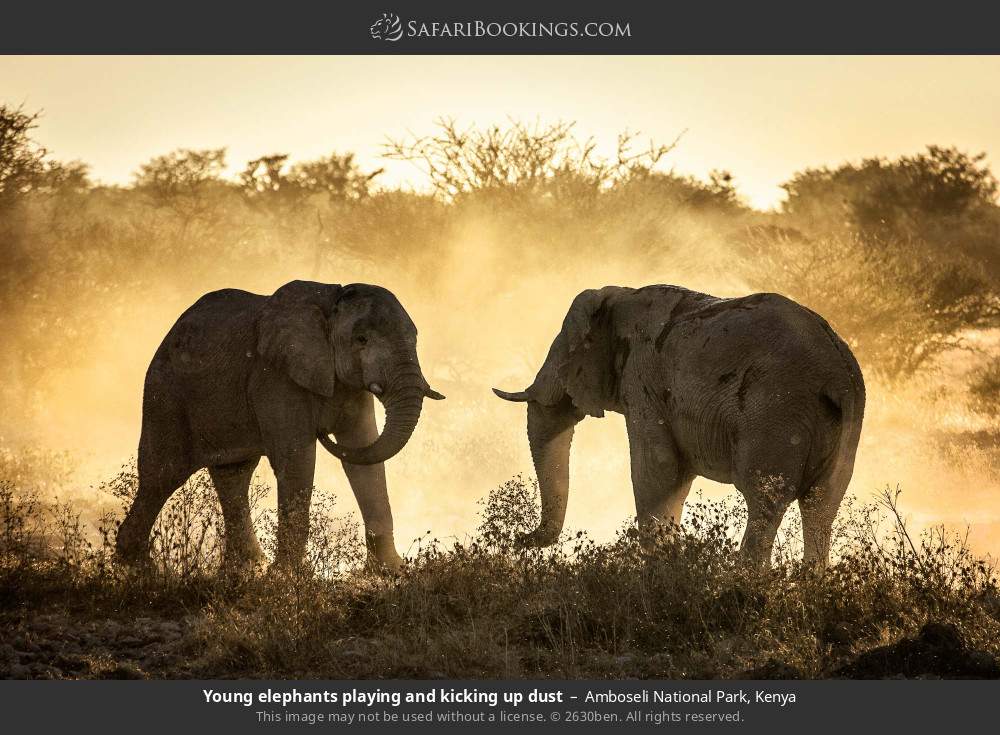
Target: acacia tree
539,158
184,181
916,240
308,191
263,176
188,190
942,197
22,165
336,175
897,312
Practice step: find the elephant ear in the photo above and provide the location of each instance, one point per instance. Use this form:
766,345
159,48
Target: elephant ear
293,334
579,362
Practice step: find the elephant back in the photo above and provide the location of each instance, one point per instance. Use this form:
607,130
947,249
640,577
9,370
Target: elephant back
215,335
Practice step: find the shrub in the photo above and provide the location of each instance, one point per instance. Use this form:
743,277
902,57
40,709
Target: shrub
985,388
682,607
896,308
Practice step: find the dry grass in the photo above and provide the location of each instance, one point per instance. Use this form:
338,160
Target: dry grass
482,607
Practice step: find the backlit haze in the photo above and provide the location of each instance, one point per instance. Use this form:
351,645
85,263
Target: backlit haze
760,118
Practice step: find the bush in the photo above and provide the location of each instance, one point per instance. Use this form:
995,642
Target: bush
985,388
529,202
482,607
943,197
898,309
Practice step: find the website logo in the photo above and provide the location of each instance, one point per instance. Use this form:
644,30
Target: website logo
387,28
390,28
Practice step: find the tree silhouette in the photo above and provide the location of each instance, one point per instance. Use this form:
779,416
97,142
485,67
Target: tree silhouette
22,164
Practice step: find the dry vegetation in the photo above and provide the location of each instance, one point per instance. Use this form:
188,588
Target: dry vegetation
483,608
903,257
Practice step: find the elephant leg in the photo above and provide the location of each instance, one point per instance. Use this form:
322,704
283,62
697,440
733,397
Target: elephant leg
132,544
819,506
294,466
770,475
232,483
163,465
369,486
659,481
768,490
287,426
767,501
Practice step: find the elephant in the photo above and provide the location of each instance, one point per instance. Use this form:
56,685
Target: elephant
756,391
241,375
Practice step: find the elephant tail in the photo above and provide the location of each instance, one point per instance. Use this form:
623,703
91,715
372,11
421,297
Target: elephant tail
844,403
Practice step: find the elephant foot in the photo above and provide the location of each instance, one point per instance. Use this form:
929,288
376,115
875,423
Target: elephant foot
290,570
244,567
133,557
382,555
816,567
384,567
755,561
539,538
656,535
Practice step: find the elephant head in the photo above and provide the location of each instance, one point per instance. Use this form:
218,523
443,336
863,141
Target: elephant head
357,336
580,377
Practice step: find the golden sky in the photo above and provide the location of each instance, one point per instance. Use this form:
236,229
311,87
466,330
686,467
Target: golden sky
762,118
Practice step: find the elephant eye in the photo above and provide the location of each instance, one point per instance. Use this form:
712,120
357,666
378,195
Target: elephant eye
361,339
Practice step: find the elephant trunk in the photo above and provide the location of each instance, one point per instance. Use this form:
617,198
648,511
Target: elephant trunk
550,434
403,399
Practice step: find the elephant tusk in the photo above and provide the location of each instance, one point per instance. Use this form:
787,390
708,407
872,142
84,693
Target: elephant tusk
375,388
331,446
519,397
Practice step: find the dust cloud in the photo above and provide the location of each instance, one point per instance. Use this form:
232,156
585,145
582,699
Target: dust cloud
486,319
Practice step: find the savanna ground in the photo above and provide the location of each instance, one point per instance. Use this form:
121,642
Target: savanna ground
902,256
485,608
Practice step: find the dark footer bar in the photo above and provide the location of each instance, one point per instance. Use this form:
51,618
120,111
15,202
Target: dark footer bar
572,706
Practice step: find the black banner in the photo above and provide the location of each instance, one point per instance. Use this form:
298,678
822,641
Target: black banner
552,706
452,27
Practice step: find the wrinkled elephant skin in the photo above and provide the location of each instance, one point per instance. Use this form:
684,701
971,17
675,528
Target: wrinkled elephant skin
241,376
757,391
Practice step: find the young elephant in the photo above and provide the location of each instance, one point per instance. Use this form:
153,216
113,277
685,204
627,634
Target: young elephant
756,391
241,375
